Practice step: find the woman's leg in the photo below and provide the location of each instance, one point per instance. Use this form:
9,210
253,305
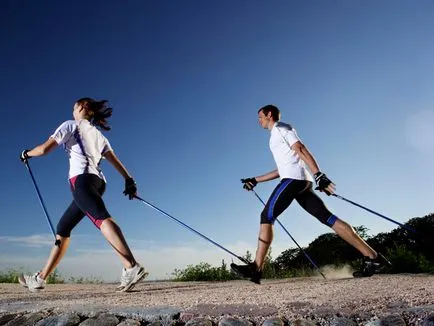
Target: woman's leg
56,255
88,191
112,232
72,216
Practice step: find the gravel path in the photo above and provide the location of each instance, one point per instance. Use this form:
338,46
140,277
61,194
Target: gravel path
293,298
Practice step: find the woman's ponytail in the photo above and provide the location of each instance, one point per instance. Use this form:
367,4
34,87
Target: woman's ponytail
97,111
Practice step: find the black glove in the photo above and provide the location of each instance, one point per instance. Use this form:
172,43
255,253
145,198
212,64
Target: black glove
24,157
322,182
249,183
130,188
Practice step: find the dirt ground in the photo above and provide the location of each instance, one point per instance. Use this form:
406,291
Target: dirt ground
294,298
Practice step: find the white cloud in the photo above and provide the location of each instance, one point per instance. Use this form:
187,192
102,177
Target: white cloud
36,240
419,131
159,260
91,257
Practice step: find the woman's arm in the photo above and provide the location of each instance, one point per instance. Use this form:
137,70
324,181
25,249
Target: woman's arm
117,164
42,149
130,184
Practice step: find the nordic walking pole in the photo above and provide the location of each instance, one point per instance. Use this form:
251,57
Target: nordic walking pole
373,212
191,229
304,252
41,201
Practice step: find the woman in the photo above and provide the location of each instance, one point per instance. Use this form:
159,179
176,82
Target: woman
86,146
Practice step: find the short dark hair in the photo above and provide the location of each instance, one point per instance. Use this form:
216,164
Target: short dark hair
275,113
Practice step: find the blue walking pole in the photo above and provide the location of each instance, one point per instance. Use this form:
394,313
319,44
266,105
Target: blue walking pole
191,229
373,212
41,201
299,247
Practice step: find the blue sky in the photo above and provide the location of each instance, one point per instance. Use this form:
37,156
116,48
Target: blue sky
185,80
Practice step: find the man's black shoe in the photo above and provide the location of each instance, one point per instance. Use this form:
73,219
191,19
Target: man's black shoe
372,266
249,271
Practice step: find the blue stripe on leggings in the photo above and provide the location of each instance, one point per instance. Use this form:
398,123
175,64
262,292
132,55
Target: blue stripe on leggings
331,220
275,197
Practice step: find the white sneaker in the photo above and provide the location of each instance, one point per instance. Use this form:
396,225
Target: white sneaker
33,282
130,277
123,280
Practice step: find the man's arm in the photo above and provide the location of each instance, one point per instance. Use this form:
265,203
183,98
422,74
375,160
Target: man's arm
306,156
251,183
268,176
323,183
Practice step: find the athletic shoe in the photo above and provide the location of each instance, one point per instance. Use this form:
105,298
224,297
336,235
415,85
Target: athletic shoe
372,266
33,282
130,277
249,271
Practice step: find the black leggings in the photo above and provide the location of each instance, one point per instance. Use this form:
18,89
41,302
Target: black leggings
87,190
301,190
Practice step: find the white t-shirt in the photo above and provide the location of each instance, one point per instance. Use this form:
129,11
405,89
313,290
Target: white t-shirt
289,164
85,146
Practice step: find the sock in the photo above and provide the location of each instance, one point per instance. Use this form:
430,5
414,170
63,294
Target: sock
39,279
132,268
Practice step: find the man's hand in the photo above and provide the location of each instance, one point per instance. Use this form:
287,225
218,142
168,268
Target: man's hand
130,188
24,157
324,184
249,183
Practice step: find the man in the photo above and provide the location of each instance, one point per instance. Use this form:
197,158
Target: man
291,157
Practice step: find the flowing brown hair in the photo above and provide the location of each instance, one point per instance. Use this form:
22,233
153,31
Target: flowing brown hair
97,111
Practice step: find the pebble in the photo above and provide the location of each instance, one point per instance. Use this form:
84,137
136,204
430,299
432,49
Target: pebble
172,316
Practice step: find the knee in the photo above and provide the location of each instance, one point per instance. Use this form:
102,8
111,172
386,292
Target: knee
107,224
102,223
267,218
329,220
343,226
61,240
62,231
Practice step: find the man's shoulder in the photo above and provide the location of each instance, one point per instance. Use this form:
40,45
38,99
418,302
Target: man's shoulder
283,125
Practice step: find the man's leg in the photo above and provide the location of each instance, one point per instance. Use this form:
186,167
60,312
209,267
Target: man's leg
279,200
347,232
264,242
316,207
253,270
372,260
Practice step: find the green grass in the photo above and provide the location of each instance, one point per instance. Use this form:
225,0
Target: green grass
11,276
